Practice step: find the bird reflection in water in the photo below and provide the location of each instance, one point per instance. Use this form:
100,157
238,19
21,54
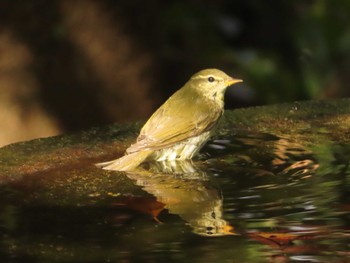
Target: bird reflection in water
186,191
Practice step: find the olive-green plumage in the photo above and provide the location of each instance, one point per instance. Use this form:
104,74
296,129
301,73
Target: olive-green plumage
182,125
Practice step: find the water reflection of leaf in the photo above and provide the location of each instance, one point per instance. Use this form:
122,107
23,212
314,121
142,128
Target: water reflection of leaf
185,191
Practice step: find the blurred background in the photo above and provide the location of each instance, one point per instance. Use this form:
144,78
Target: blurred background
70,65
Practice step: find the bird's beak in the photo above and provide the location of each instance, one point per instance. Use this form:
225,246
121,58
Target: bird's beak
232,81
229,230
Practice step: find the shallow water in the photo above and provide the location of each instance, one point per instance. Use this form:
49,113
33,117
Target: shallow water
274,188
251,198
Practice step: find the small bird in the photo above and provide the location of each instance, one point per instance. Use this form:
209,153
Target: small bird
182,125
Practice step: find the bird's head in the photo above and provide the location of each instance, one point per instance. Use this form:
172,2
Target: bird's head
212,83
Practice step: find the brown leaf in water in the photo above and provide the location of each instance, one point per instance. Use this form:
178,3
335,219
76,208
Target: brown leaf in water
146,205
274,239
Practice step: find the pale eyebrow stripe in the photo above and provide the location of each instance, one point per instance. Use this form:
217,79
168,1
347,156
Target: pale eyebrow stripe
201,77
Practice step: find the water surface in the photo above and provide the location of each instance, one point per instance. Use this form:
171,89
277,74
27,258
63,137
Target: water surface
258,193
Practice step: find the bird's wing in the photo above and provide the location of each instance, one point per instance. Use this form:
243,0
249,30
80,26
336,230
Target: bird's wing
178,119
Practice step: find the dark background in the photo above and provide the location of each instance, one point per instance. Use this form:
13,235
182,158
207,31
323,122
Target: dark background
70,65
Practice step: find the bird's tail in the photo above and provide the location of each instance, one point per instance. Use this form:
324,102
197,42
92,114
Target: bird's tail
125,163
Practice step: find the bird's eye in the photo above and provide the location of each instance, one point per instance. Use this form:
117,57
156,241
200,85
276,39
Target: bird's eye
211,79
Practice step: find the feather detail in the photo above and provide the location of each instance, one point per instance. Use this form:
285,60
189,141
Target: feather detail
126,163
